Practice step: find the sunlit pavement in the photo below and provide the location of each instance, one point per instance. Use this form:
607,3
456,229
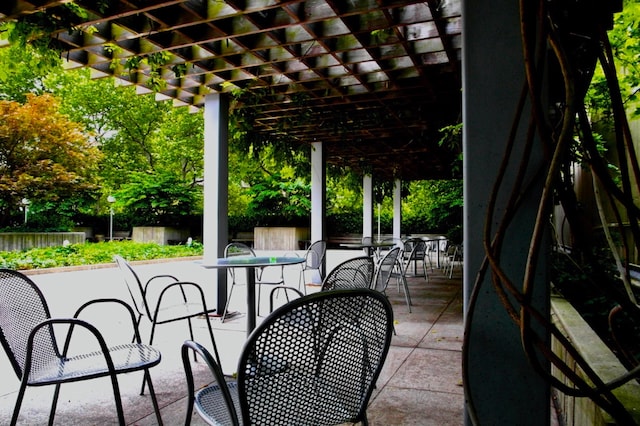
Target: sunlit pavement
420,384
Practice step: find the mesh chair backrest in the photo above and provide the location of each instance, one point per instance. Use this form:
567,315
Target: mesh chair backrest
385,269
408,245
134,285
22,308
315,254
419,249
239,249
315,360
353,273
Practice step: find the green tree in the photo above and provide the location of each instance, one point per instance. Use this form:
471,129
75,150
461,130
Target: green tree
434,206
139,137
158,199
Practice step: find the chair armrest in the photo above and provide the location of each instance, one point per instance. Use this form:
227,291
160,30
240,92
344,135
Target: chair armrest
125,305
181,285
156,278
215,369
286,290
72,322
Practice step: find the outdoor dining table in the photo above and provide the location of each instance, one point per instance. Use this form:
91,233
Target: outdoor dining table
370,247
437,240
251,263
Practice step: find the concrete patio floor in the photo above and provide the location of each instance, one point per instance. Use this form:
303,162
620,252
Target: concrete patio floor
420,384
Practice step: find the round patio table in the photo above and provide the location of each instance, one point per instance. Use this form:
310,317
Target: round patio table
251,263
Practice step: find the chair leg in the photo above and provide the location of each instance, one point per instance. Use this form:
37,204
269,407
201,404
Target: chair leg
16,408
258,303
152,392
407,295
301,282
191,334
226,306
54,404
424,268
213,340
118,400
153,330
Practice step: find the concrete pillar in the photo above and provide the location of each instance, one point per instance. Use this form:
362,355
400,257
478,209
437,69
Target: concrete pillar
318,191
397,208
501,386
318,201
215,232
367,206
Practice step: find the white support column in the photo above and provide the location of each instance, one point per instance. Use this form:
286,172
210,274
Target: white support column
501,386
215,232
367,206
318,201
318,191
397,208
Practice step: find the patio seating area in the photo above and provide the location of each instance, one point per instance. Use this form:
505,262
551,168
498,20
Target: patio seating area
420,383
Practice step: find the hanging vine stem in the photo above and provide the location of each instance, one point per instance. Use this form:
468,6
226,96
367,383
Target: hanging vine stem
555,142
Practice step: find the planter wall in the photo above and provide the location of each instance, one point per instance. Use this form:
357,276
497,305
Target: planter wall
582,411
16,241
280,238
162,235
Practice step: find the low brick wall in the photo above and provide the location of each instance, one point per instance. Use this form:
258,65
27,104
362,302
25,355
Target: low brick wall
16,241
582,411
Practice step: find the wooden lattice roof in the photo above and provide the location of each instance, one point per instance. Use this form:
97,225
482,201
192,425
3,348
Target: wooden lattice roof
373,79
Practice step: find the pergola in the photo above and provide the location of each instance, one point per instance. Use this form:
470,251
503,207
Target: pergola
373,80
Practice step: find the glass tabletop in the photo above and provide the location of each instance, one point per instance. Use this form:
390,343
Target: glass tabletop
250,261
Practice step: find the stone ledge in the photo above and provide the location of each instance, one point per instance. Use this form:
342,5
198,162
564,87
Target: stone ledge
581,411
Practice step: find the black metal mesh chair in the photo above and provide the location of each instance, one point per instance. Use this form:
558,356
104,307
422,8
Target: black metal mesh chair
314,260
390,266
416,252
164,299
28,336
239,249
312,361
452,257
357,272
352,273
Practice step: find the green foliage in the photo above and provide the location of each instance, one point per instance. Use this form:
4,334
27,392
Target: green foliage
23,71
433,206
452,139
344,223
276,196
44,157
625,43
160,199
135,133
93,253
277,145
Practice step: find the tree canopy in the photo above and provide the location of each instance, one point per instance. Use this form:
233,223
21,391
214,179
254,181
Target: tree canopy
43,155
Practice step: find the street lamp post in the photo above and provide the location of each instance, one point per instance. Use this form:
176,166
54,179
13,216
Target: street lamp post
111,199
25,203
